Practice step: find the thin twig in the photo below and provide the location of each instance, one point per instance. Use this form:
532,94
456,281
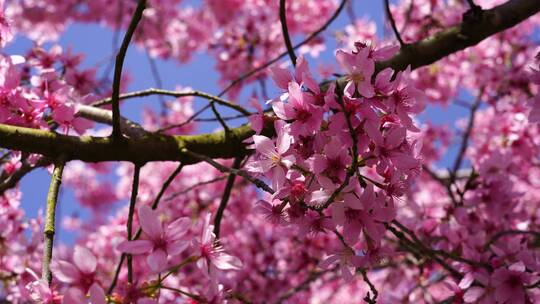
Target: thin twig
312,276
447,184
166,185
219,118
500,234
223,169
185,293
226,195
466,136
224,118
393,22
443,253
188,189
52,199
137,16
187,121
280,56
129,224
158,81
16,176
423,249
368,298
285,31
154,91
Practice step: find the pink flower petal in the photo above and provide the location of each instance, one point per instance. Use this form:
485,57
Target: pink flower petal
65,272
74,295
178,228
97,295
84,260
466,281
227,262
135,247
331,259
264,146
281,77
473,294
177,247
157,260
149,222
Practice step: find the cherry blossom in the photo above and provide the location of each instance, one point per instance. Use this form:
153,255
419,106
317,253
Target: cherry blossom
161,241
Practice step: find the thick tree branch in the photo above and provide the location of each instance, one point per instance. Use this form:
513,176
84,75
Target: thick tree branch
151,147
128,127
462,36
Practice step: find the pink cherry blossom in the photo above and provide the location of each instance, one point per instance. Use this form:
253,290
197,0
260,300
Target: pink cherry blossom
272,157
347,260
510,284
160,241
359,68
81,272
362,213
330,167
300,108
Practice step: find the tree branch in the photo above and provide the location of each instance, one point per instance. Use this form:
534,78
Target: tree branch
153,91
137,16
128,127
311,277
129,224
50,215
393,22
371,299
465,138
223,169
226,196
150,147
25,168
188,189
461,36
285,31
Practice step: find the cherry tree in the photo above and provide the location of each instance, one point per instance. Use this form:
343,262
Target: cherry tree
328,190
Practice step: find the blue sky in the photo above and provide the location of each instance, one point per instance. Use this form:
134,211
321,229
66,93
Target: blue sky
96,43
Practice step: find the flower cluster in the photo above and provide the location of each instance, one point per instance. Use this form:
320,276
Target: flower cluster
341,156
